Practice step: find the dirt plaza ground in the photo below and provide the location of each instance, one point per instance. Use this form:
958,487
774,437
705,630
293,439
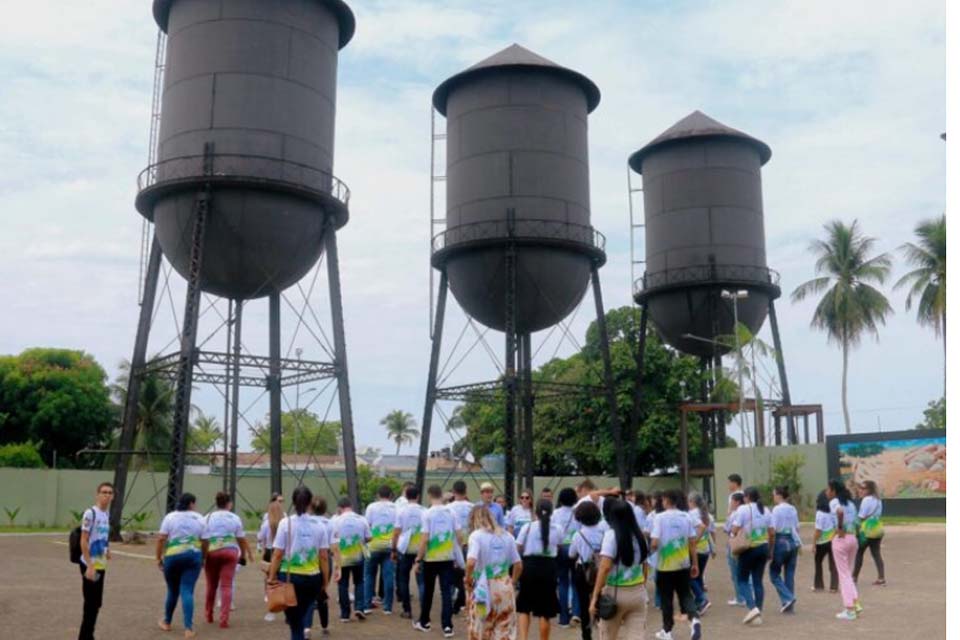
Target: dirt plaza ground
40,599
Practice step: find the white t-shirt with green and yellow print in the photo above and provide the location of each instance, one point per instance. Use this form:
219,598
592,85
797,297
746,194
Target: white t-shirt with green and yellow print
301,539
382,517
748,516
183,530
621,575
349,534
673,531
439,525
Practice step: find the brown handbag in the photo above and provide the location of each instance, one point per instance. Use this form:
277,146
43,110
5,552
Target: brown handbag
741,542
282,594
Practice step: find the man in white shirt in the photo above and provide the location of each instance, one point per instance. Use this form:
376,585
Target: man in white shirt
382,518
350,534
461,507
438,550
734,488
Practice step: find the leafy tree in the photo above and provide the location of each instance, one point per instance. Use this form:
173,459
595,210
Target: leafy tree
368,482
56,398
154,428
401,427
850,306
935,415
302,431
23,455
572,433
204,433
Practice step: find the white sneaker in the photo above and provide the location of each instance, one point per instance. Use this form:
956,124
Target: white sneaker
419,627
575,620
270,617
306,632
734,603
448,632
846,615
751,615
663,635
695,632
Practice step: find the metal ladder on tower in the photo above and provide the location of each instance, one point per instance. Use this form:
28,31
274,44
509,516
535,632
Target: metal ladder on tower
637,226
437,224
159,67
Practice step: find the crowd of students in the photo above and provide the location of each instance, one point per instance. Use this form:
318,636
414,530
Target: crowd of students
584,558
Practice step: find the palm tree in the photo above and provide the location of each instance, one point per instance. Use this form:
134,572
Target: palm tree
929,279
400,427
850,306
154,414
204,433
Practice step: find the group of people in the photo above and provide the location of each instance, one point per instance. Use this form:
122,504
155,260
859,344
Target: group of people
584,558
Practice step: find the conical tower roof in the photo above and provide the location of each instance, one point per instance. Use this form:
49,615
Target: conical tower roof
696,125
515,56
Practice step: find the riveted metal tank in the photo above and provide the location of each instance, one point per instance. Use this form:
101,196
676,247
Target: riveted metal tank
517,175
703,209
248,108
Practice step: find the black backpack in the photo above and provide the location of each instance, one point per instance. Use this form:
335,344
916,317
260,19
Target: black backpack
76,553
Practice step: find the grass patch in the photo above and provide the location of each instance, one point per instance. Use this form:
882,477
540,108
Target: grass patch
914,520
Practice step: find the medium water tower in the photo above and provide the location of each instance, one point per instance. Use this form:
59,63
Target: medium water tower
241,193
706,263
518,250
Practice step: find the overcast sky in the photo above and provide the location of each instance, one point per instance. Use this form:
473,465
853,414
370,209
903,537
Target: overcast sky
849,95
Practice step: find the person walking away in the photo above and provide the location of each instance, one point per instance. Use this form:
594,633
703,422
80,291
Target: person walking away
486,499
223,543
435,559
871,530
584,553
382,517
537,544
564,521
94,554
180,558
493,566
268,531
786,545
825,528
318,513
350,533
704,526
844,546
300,558
734,500
461,508
656,508
758,523
675,541
406,545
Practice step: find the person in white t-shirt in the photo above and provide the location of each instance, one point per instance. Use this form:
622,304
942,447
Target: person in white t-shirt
756,519
520,514
565,522
703,524
94,554
180,557
461,508
537,543
224,543
438,552
824,529
786,545
493,566
584,554
382,518
871,530
674,538
406,544
350,533
844,546
318,513
300,558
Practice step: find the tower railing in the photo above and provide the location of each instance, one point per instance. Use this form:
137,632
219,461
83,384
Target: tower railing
706,273
520,229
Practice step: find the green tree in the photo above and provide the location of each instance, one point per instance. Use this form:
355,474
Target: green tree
154,428
58,399
204,433
850,306
401,427
935,415
302,431
22,455
368,482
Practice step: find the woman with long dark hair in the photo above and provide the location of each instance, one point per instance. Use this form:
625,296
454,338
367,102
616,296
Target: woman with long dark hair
844,546
786,545
180,557
703,524
300,557
758,522
537,544
871,530
824,529
622,574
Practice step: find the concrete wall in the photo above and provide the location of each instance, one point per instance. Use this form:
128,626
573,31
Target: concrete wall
46,497
754,464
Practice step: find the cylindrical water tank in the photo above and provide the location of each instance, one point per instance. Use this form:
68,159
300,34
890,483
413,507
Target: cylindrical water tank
517,175
703,209
248,107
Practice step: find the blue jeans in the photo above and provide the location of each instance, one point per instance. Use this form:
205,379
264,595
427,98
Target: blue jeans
785,562
696,585
734,565
750,569
181,572
343,589
378,559
404,567
565,585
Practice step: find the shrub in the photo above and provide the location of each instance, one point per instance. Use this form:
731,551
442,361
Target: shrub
22,455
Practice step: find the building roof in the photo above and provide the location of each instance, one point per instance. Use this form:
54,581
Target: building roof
696,125
515,56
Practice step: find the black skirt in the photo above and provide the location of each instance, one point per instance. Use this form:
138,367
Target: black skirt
538,587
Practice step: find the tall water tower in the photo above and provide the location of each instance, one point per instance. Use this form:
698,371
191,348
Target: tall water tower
242,196
518,250
705,261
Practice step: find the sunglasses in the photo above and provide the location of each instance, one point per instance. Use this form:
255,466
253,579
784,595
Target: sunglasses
524,497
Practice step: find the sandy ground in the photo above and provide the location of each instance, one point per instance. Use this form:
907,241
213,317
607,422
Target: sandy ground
40,599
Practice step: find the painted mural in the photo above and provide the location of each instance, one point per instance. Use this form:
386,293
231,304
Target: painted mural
903,468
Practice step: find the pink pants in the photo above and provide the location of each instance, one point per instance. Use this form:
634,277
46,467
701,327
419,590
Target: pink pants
844,554
220,567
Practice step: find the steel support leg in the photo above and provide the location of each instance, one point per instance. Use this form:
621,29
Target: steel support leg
228,372
526,374
705,417
634,427
624,472
721,415
684,454
431,396
343,382
276,408
235,402
782,370
131,406
188,343
510,369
